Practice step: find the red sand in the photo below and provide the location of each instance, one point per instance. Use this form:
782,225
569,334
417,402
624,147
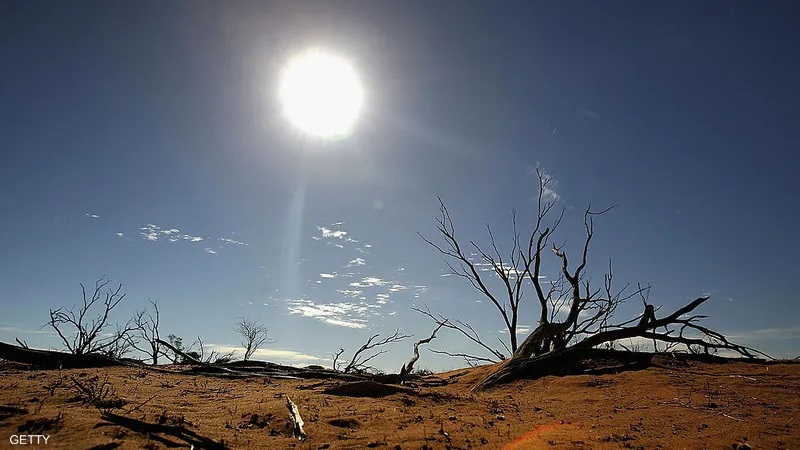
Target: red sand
689,405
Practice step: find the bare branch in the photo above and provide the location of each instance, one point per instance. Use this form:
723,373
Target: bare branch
214,357
86,336
358,361
254,334
470,359
147,326
465,329
335,365
408,367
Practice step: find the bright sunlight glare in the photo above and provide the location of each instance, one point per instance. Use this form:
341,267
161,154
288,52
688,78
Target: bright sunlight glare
321,94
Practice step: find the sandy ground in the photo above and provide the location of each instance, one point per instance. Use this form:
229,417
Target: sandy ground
676,404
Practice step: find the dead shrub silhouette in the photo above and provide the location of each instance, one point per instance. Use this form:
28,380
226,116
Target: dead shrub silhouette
573,314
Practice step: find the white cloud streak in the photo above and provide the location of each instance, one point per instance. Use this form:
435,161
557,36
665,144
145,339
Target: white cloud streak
232,241
356,262
268,354
155,233
344,314
369,282
328,233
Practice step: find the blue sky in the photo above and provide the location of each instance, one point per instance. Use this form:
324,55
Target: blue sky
144,141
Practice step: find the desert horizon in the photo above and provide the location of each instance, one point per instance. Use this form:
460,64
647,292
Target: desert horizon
392,224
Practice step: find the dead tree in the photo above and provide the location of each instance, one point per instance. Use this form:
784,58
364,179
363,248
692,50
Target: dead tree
510,270
573,315
176,343
254,334
214,357
336,364
48,359
122,343
87,336
148,329
409,366
358,363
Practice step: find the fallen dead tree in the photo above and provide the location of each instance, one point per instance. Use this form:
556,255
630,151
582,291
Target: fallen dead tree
49,359
155,431
526,363
358,362
574,316
238,369
367,388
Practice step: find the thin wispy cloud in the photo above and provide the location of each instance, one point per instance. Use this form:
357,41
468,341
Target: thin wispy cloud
586,112
369,282
331,236
521,329
356,262
122,235
350,292
328,233
155,233
7,329
232,241
353,290
344,314
510,271
548,193
766,334
92,216
268,354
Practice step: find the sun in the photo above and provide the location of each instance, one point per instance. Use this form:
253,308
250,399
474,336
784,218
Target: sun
321,94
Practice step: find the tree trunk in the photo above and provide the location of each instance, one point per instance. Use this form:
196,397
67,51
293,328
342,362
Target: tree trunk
48,359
